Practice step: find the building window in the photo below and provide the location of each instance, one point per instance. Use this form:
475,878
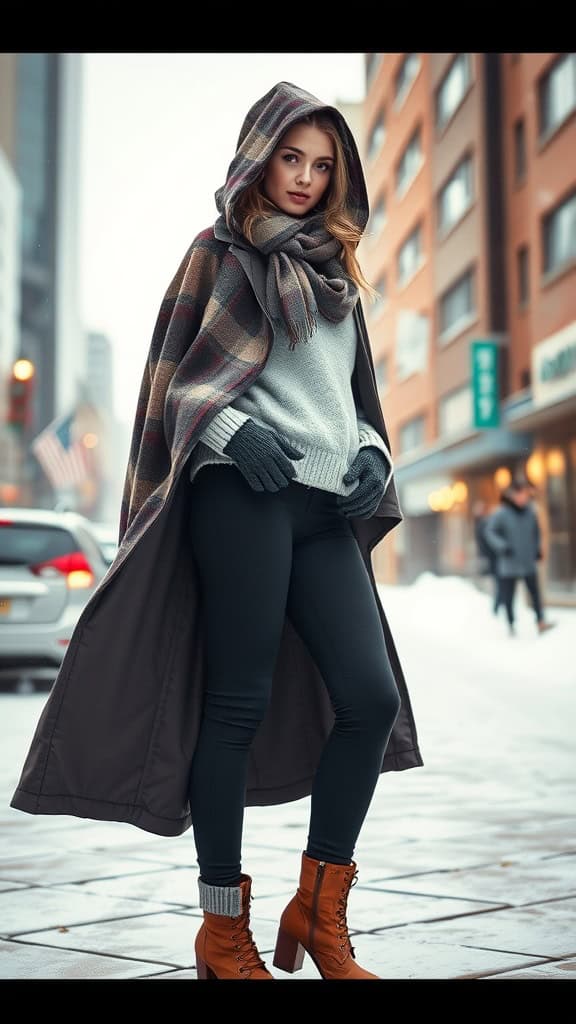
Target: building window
409,163
557,93
373,61
409,256
560,235
523,276
381,368
519,150
453,88
412,330
411,434
455,411
381,288
405,75
457,305
456,196
377,135
378,217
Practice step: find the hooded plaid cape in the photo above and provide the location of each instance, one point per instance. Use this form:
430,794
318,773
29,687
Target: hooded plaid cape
118,731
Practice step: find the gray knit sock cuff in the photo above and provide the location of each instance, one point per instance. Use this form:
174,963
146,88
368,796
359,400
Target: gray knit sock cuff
220,899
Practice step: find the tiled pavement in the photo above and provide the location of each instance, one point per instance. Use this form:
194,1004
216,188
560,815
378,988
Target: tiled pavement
467,867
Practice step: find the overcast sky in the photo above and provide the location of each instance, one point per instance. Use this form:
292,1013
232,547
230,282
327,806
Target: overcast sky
159,132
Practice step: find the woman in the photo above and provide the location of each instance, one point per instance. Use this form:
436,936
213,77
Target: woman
237,652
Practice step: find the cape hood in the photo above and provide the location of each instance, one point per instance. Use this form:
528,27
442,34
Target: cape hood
264,125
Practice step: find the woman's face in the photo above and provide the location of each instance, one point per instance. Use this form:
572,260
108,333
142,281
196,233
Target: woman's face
302,162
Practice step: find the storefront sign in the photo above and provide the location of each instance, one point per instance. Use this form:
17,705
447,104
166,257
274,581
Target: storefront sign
554,367
485,388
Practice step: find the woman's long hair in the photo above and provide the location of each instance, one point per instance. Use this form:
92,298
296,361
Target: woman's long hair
253,204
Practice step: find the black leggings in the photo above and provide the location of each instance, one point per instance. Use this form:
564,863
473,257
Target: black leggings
507,590
261,555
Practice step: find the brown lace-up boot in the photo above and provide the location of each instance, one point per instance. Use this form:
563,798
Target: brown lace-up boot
224,945
314,922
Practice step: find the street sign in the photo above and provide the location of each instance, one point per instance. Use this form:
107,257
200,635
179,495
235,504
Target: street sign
485,384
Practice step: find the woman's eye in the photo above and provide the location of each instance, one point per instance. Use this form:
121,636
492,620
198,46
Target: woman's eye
291,156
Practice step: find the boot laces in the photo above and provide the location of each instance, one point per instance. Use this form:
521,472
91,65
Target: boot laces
246,944
342,926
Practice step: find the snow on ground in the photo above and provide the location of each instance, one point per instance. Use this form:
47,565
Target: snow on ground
450,615
481,696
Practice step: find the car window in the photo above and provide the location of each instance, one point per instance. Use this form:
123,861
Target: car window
90,544
27,543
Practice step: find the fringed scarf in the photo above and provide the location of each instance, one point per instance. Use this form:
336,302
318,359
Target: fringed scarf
304,277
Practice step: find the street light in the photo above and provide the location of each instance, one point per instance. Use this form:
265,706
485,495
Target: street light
20,418
20,389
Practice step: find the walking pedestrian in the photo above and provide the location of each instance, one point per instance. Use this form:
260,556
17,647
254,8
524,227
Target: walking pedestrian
513,533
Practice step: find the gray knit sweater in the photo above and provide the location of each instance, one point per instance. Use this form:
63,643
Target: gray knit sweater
306,394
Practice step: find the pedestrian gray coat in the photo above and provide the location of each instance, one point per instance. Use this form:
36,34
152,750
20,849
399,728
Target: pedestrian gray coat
118,732
513,533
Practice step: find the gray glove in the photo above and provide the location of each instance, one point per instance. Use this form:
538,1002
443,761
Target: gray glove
261,455
372,470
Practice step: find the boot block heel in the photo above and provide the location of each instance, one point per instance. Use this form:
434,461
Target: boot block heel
289,953
205,973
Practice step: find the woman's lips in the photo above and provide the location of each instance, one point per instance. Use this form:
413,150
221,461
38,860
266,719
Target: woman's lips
298,199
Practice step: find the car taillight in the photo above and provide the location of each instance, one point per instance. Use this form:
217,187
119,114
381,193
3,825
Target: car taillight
74,566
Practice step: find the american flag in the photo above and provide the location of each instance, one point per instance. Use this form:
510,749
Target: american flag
62,456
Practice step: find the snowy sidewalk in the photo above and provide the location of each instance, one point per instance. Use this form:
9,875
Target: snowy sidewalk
466,865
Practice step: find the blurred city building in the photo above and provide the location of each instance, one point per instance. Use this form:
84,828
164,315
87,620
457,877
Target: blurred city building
40,144
472,245
10,226
113,435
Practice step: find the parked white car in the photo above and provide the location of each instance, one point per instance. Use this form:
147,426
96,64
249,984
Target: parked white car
50,564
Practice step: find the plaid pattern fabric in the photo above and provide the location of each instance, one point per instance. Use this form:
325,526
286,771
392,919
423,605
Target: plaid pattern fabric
209,342
304,276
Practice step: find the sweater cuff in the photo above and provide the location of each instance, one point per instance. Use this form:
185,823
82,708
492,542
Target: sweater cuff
371,438
222,427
